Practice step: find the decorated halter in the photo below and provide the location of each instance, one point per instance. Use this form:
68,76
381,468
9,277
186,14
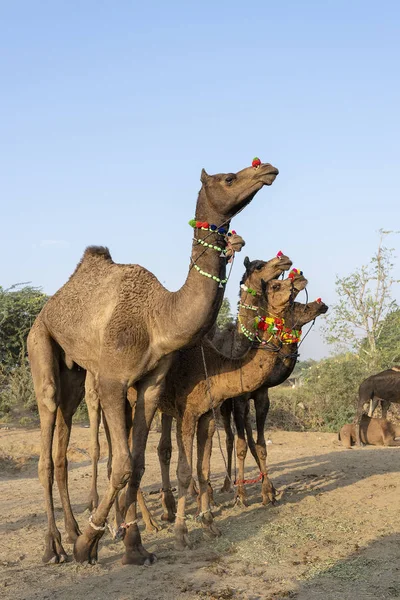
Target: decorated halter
205,226
275,326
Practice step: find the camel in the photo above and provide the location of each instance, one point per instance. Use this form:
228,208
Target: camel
120,324
256,272
376,432
240,407
383,387
187,397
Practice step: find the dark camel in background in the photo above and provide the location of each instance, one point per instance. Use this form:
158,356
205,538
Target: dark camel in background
383,387
119,323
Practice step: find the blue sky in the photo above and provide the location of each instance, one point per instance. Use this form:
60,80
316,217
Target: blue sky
109,110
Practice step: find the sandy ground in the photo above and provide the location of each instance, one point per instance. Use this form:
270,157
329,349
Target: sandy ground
335,533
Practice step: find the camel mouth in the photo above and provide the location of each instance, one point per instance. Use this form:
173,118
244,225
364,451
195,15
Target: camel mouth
285,265
300,285
268,176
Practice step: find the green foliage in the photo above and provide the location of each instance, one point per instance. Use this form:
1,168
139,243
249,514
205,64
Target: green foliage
225,316
355,323
388,343
327,396
18,310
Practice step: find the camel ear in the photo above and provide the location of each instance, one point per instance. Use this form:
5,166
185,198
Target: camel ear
204,177
246,262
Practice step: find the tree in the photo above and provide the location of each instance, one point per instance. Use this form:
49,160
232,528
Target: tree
357,321
225,316
18,310
388,344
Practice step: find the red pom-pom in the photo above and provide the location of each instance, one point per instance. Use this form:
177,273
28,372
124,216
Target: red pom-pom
279,254
233,232
262,325
319,300
291,275
256,162
199,224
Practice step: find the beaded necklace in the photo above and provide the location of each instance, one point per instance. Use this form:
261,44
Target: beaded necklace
205,226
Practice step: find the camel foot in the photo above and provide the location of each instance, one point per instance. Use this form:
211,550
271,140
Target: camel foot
169,506
86,546
241,498
135,552
210,530
152,525
268,492
210,493
227,487
182,540
54,553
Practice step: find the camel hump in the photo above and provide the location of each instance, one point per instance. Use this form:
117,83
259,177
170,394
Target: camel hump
101,251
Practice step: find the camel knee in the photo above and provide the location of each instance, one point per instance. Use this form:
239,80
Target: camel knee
47,396
241,448
164,454
184,477
261,449
121,471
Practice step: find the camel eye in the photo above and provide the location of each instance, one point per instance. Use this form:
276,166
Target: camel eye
276,286
229,179
259,267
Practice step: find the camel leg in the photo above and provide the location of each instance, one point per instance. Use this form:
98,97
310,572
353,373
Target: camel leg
148,393
94,412
44,357
372,406
226,412
239,409
205,432
261,403
360,410
72,391
249,434
164,456
113,398
184,435
385,404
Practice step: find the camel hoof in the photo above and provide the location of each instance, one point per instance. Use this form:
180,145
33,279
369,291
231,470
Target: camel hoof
135,557
153,527
54,553
227,487
183,542
241,501
211,531
85,548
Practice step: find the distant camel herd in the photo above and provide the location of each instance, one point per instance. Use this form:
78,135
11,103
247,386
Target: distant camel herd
116,337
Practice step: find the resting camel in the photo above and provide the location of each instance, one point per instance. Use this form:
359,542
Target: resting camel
119,323
256,272
383,387
187,398
240,407
376,432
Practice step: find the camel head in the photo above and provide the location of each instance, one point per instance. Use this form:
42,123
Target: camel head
317,307
227,193
261,270
280,293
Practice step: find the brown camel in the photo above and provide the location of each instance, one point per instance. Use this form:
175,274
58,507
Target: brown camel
120,324
300,315
256,272
376,432
383,387
187,398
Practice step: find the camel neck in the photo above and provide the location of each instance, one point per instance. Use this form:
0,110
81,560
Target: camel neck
198,301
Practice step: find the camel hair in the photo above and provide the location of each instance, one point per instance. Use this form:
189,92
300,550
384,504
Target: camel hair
119,323
240,407
187,397
256,272
383,387
376,432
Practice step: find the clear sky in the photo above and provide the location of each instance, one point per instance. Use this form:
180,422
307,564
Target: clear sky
109,110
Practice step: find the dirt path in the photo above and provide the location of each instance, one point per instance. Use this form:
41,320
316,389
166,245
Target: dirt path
335,533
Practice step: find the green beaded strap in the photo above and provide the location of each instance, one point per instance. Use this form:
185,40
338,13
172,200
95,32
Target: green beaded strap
206,245
248,306
251,335
214,277
249,290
